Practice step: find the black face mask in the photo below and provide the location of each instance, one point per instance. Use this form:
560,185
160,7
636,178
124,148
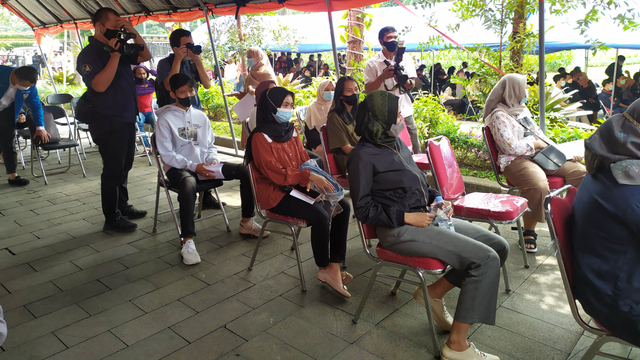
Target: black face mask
187,102
391,46
351,100
139,81
110,33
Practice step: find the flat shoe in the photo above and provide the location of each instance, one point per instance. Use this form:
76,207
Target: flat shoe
346,278
325,278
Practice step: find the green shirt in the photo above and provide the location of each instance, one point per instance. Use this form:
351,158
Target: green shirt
340,134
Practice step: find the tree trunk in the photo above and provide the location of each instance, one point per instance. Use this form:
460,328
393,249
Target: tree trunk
519,27
355,44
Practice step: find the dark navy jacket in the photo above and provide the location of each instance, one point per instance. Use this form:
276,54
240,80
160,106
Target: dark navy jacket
30,96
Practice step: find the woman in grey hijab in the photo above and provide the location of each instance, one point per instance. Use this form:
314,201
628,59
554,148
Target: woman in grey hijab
606,227
506,115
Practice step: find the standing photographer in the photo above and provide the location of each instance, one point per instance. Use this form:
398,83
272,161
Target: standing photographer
380,74
105,66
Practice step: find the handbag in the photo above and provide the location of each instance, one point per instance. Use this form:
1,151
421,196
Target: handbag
84,109
550,158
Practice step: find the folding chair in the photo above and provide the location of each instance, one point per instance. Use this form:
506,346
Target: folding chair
555,182
481,207
61,100
80,126
419,265
70,143
301,114
420,159
294,225
25,135
201,187
607,112
331,165
140,134
558,212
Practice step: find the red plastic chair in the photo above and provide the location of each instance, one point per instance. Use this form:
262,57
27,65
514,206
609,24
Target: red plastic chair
419,265
295,226
555,182
482,207
331,165
420,159
558,212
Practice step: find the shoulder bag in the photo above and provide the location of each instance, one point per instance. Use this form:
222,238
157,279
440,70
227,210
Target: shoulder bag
550,158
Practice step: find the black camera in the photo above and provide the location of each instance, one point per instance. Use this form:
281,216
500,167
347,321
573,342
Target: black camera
195,49
398,70
126,48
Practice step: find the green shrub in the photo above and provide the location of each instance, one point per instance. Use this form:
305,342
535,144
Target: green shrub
213,103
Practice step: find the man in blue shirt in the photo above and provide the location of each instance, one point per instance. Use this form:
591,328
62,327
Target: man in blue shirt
605,98
17,86
114,108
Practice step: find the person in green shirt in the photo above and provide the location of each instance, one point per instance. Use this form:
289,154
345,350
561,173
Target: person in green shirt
341,121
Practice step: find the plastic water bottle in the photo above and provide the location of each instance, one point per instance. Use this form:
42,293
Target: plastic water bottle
441,210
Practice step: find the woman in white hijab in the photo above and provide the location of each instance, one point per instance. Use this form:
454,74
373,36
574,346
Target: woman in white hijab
504,112
317,115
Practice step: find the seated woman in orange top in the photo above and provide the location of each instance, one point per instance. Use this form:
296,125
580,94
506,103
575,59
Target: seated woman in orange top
275,151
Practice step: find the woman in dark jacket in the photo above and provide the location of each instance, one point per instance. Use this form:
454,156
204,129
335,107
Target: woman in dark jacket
391,193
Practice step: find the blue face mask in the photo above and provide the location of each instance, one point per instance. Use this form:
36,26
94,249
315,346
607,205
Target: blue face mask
283,115
328,95
563,83
524,101
251,62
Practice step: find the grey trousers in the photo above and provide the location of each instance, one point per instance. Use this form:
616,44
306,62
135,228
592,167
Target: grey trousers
474,254
413,134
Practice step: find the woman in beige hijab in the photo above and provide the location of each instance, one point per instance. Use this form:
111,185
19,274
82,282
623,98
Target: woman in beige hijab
261,70
317,116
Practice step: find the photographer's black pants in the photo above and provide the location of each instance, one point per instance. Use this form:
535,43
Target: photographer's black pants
116,143
8,138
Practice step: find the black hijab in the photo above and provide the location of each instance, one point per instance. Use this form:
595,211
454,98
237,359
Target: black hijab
376,115
266,123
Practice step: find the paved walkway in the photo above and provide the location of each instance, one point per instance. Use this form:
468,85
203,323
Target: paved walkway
71,291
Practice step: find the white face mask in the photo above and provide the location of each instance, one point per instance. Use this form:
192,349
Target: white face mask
23,88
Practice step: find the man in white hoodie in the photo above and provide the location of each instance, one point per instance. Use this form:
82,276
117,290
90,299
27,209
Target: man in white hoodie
186,144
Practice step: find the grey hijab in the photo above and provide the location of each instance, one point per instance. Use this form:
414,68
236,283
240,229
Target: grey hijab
616,145
507,96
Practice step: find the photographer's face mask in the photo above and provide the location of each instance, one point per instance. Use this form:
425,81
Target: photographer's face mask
186,102
391,46
110,33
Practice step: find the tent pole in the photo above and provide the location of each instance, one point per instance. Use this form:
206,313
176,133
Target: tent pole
218,75
79,38
333,41
586,60
46,63
433,70
614,80
542,78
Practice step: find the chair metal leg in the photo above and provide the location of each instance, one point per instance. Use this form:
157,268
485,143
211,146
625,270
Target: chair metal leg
201,196
505,275
432,325
594,349
522,246
173,214
84,154
224,212
44,175
20,151
365,296
84,174
255,252
148,156
58,153
155,216
295,233
396,287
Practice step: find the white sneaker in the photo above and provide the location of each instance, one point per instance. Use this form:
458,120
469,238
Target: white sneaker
251,228
440,313
189,253
472,353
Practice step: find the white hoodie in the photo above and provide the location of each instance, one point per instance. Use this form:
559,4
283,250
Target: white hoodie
184,138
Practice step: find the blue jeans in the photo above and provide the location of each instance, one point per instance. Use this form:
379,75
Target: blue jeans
240,84
146,118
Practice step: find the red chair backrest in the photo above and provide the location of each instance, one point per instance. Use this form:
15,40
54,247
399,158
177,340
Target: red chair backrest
491,146
369,231
444,167
561,211
404,136
332,165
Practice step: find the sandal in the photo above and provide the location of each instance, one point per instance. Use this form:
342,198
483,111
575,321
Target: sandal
533,241
346,277
325,278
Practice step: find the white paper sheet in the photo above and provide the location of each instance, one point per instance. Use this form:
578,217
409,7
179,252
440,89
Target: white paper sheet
216,170
244,106
572,148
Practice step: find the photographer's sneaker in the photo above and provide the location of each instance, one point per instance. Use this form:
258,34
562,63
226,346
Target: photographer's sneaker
189,253
252,228
472,353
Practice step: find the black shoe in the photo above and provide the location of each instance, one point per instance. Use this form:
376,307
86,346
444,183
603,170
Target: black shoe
18,181
120,224
133,213
210,202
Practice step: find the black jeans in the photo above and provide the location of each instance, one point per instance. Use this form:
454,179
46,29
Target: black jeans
8,138
329,246
187,181
116,143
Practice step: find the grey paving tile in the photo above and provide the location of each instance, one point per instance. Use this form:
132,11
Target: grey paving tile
14,272
152,323
148,254
58,229
169,293
17,316
268,268
267,290
152,348
355,352
40,277
7,241
223,269
265,346
82,241
258,320
413,327
135,273
213,294
107,255
557,314
119,239
210,319
515,345
227,252
274,248
43,325
334,321
87,275
115,297
27,296
64,299
62,258
3,292
211,346
40,243
97,324
175,273
96,348
39,348
26,257
307,338
52,208
390,346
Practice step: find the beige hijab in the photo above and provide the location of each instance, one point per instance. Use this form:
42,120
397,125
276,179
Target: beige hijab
319,108
261,71
507,96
